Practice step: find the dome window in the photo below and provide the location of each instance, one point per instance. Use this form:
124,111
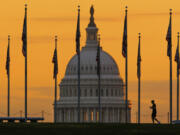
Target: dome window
97,92
107,93
112,92
91,92
81,92
86,68
102,92
85,92
76,92
91,68
70,94
65,94
116,93
82,68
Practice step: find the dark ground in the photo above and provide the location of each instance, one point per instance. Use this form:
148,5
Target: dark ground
87,129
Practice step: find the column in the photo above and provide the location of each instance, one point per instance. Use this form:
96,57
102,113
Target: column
65,114
69,115
62,116
102,117
113,117
94,115
118,119
60,113
123,115
129,115
89,115
120,115
75,115
106,115
110,115
57,115
81,117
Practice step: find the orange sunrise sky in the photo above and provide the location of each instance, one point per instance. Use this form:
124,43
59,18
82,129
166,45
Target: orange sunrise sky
47,18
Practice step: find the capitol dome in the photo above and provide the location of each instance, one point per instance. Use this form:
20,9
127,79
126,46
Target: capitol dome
112,86
89,64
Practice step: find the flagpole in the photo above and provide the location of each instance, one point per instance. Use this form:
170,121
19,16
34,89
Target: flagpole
139,86
171,76
9,79
126,79
26,69
99,79
78,55
178,81
79,90
55,93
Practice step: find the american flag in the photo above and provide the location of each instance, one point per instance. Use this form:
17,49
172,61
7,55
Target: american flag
24,34
177,55
176,59
78,34
98,60
169,39
139,60
7,61
55,61
124,44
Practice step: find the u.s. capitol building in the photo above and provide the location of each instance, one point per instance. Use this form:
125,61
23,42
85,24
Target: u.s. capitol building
112,86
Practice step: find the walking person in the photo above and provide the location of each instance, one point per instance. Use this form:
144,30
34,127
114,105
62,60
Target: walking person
154,112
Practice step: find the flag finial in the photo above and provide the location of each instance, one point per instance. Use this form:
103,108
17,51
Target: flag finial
178,34
126,9
9,37
139,35
56,41
170,11
25,6
78,8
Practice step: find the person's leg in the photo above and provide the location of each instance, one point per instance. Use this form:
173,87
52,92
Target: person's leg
152,119
156,120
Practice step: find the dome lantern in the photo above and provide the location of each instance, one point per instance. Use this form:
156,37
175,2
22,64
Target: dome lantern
91,30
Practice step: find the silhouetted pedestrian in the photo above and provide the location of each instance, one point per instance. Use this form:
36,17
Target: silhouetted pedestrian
154,112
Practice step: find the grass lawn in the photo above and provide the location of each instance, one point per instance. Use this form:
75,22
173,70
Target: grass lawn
87,129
